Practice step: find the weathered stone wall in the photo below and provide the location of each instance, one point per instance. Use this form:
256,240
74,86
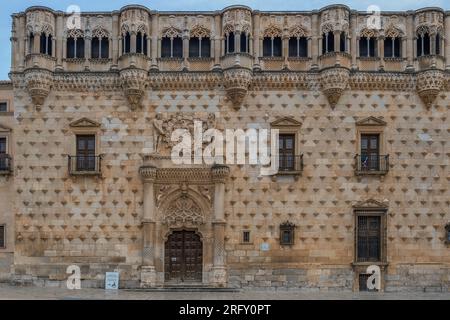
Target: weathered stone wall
95,222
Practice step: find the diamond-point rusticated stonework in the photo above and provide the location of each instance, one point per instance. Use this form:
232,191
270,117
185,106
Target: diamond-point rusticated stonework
361,130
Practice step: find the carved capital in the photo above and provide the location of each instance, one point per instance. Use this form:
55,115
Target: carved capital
148,173
237,81
429,84
134,81
219,173
334,81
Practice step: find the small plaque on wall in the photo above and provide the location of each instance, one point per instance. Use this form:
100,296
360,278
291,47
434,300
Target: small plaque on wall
112,281
265,246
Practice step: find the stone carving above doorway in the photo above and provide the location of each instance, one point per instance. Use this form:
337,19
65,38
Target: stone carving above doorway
164,124
183,212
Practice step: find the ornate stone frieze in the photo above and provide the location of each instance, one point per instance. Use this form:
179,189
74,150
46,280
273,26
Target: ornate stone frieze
87,81
38,83
134,20
185,81
334,81
236,82
183,212
285,80
382,81
429,84
39,21
175,175
335,18
237,19
429,21
134,83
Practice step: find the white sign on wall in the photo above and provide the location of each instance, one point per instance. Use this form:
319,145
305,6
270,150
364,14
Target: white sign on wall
112,281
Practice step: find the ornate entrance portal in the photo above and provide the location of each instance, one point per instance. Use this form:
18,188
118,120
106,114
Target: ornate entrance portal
183,224
183,258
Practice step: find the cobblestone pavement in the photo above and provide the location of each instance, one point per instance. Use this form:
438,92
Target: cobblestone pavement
32,293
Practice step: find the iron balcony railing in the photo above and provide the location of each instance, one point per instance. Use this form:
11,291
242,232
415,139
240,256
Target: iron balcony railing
290,163
5,162
367,164
85,165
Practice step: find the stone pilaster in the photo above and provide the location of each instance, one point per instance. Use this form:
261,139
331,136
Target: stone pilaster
219,175
148,273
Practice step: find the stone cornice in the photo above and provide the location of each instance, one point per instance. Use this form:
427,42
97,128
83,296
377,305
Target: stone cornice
280,80
235,81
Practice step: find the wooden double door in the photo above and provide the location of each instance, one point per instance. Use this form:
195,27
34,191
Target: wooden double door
183,257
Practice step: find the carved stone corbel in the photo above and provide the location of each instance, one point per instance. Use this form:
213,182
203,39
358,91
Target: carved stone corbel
236,82
134,83
38,83
429,84
334,81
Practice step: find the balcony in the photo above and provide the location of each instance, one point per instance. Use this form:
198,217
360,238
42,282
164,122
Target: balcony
372,164
333,59
290,164
85,165
5,164
242,59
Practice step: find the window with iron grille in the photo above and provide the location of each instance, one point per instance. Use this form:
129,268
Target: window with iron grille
246,237
3,106
368,238
287,233
2,236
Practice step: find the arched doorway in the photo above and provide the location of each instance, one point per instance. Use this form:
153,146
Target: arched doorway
183,257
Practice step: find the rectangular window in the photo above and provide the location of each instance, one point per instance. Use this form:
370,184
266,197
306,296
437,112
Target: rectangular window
368,238
246,237
370,152
3,106
86,158
2,236
3,155
287,152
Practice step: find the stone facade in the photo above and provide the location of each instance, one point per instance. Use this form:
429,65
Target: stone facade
121,217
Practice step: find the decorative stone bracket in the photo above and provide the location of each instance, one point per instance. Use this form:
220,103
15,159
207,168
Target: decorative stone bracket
334,81
38,83
236,81
134,83
429,84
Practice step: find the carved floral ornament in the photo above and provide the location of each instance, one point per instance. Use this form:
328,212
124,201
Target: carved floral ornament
237,20
100,32
171,33
75,33
200,31
273,31
369,33
183,211
334,20
298,32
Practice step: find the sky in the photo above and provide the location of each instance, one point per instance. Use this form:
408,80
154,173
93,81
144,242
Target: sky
7,7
